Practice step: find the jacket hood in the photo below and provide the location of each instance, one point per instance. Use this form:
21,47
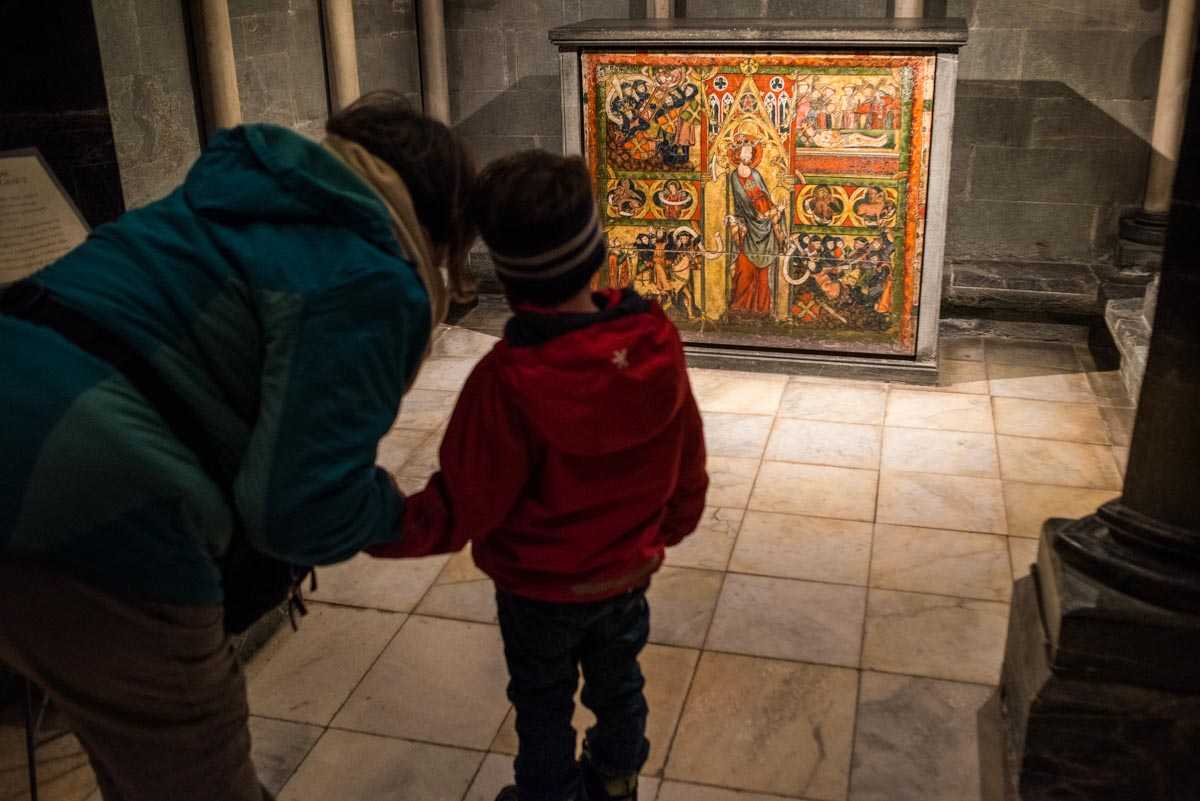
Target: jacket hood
267,173
599,382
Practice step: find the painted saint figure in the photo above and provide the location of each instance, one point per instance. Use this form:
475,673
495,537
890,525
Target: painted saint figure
755,231
674,201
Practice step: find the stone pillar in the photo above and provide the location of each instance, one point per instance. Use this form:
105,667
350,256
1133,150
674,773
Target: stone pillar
341,53
1147,226
910,8
1100,692
660,9
435,74
218,75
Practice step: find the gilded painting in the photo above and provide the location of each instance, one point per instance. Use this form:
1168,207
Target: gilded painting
772,201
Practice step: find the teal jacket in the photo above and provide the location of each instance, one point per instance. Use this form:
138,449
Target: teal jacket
269,292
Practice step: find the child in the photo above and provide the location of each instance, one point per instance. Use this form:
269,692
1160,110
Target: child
575,454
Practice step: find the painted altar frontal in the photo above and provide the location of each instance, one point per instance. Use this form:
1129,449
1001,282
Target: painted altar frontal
780,186
776,200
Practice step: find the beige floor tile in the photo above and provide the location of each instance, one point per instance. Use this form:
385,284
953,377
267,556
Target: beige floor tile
730,480
944,562
814,548
278,747
962,503
1023,553
839,403
1121,454
425,409
922,450
64,773
439,680
1058,355
1045,461
462,600
461,567
350,766
1109,388
307,675
1119,424
709,546
424,460
965,377
740,435
497,772
393,584
1030,505
819,442
398,447
807,621
668,673
447,374
682,791
916,740
1073,422
737,392
935,636
946,411
816,490
967,349
1039,383
767,726
462,343
682,601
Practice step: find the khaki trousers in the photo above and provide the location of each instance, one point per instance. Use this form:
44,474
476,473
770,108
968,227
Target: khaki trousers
153,692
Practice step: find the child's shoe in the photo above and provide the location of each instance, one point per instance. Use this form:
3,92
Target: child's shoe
598,787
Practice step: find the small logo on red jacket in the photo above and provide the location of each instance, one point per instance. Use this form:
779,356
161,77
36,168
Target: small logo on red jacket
621,358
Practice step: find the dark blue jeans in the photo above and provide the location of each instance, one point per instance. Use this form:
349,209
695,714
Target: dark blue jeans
546,644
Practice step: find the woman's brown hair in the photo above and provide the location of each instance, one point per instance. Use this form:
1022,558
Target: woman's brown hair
433,162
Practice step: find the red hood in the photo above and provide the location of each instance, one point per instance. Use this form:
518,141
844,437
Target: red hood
596,383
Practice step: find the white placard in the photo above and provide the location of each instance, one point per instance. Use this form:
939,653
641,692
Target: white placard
38,221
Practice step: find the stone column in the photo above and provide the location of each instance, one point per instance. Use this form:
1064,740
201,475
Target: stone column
660,9
1100,692
435,74
1148,225
910,8
218,75
341,53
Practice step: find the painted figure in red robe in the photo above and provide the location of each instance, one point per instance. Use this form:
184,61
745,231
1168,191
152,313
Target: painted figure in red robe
755,232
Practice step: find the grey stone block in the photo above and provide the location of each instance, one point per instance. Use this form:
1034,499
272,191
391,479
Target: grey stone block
962,157
1072,15
799,9
1109,64
1048,175
1131,333
164,49
489,148
310,93
165,13
390,62
529,14
534,59
986,88
614,9
117,33
992,54
264,83
515,112
240,8
992,120
260,34
1075,121
478,59
375,18
1025,285
983,229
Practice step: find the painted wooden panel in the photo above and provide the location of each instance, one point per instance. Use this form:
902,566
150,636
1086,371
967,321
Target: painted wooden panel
771,201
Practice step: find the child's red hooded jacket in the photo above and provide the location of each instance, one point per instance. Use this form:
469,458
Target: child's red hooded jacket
575,454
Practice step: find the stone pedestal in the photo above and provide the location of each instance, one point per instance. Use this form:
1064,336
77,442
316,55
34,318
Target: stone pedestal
1099,696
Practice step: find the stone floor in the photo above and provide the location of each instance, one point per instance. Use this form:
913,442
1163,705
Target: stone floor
828,633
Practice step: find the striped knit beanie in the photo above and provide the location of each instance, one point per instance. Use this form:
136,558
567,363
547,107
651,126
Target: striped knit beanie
546,273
